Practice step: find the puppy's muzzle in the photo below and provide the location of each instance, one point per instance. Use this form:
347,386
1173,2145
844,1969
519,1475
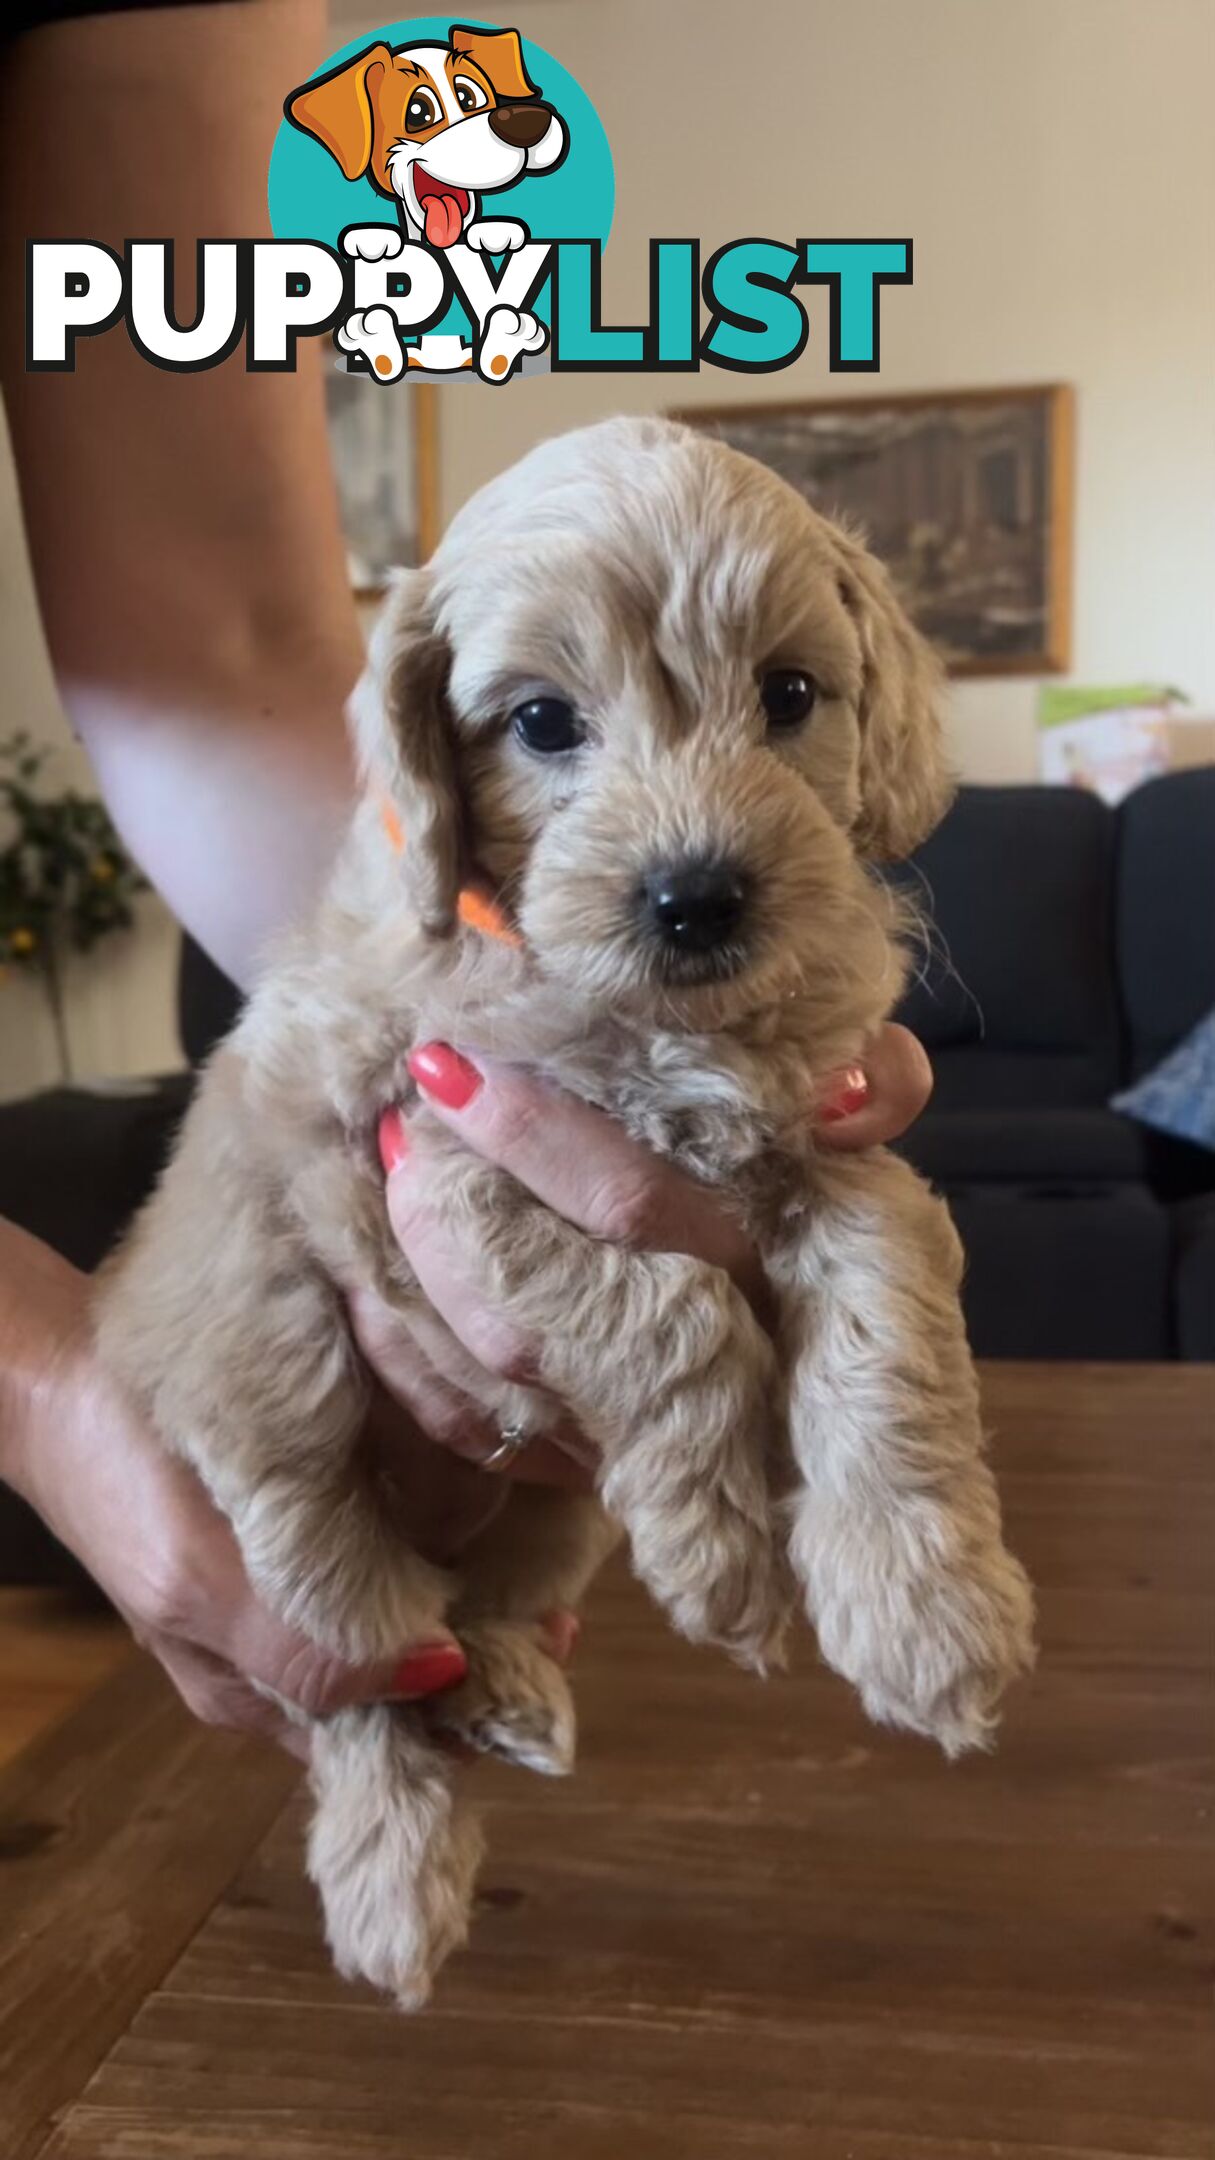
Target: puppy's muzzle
522,126
695,908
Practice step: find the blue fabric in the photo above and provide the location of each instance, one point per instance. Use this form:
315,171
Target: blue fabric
1178,1095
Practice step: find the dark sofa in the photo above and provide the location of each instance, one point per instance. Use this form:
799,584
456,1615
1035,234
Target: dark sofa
1071,948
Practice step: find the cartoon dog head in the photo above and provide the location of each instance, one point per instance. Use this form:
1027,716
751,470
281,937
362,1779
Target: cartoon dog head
434,126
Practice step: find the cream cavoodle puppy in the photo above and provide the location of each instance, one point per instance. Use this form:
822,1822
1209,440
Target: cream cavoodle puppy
671,714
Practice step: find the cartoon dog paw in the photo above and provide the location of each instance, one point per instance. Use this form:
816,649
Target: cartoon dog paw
372,243
507,336
373,333
495,236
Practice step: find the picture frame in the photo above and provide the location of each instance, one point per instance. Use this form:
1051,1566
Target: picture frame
965,494
384,443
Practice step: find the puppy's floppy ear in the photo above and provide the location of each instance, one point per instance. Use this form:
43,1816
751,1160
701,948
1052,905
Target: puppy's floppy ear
337,110
906,785
406,752
499,55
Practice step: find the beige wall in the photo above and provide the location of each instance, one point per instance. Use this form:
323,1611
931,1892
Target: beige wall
1054,162
119,1000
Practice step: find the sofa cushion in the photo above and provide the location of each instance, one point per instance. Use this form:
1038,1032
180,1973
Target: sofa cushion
974,1076
1017,1001
1165,911
1074,1277
74,1166
1194,1280
75,1163
1067,1150
207,1003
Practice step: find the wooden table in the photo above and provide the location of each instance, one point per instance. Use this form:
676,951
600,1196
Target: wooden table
752,1925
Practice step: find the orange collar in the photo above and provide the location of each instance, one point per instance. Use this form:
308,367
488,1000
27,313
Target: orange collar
474,909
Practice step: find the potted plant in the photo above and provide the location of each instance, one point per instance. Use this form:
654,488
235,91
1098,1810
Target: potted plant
66,881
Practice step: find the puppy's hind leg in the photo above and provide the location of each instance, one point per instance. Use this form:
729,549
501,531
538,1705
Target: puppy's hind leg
514,1700
392,1849
535,1558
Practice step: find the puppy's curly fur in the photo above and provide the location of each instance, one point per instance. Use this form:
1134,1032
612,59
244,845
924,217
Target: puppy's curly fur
649,576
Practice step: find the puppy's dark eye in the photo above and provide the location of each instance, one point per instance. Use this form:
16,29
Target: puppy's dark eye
788,697
547,724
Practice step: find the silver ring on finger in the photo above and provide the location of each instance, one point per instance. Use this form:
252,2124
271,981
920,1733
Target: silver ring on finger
512,1439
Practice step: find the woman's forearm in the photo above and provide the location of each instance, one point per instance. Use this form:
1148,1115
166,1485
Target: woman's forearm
41,1309
231,793
183,529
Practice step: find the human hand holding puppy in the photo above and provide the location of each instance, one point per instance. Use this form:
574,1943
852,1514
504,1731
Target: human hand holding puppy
586,1167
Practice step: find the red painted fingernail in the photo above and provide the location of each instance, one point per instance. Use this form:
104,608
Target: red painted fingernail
849,1095
445,1074
394,1140
427,1671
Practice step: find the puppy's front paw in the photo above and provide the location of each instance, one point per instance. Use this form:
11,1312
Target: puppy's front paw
708,1557
929,1637
515,1701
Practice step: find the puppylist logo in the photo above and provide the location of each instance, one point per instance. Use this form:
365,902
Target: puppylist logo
440,199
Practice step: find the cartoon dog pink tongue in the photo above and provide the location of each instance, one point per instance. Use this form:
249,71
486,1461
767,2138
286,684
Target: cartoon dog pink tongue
443,207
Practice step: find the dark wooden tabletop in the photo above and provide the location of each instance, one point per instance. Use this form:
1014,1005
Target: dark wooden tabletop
751,1925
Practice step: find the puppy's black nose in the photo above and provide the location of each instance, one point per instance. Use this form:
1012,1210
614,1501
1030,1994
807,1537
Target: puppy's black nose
520,125
695,906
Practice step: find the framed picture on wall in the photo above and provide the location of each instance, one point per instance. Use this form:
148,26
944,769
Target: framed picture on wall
384,444
965,494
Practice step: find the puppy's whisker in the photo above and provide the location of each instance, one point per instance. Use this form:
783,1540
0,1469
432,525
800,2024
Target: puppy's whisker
921,932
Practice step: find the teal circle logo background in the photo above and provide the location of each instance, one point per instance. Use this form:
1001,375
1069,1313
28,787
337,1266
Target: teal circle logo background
310,198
